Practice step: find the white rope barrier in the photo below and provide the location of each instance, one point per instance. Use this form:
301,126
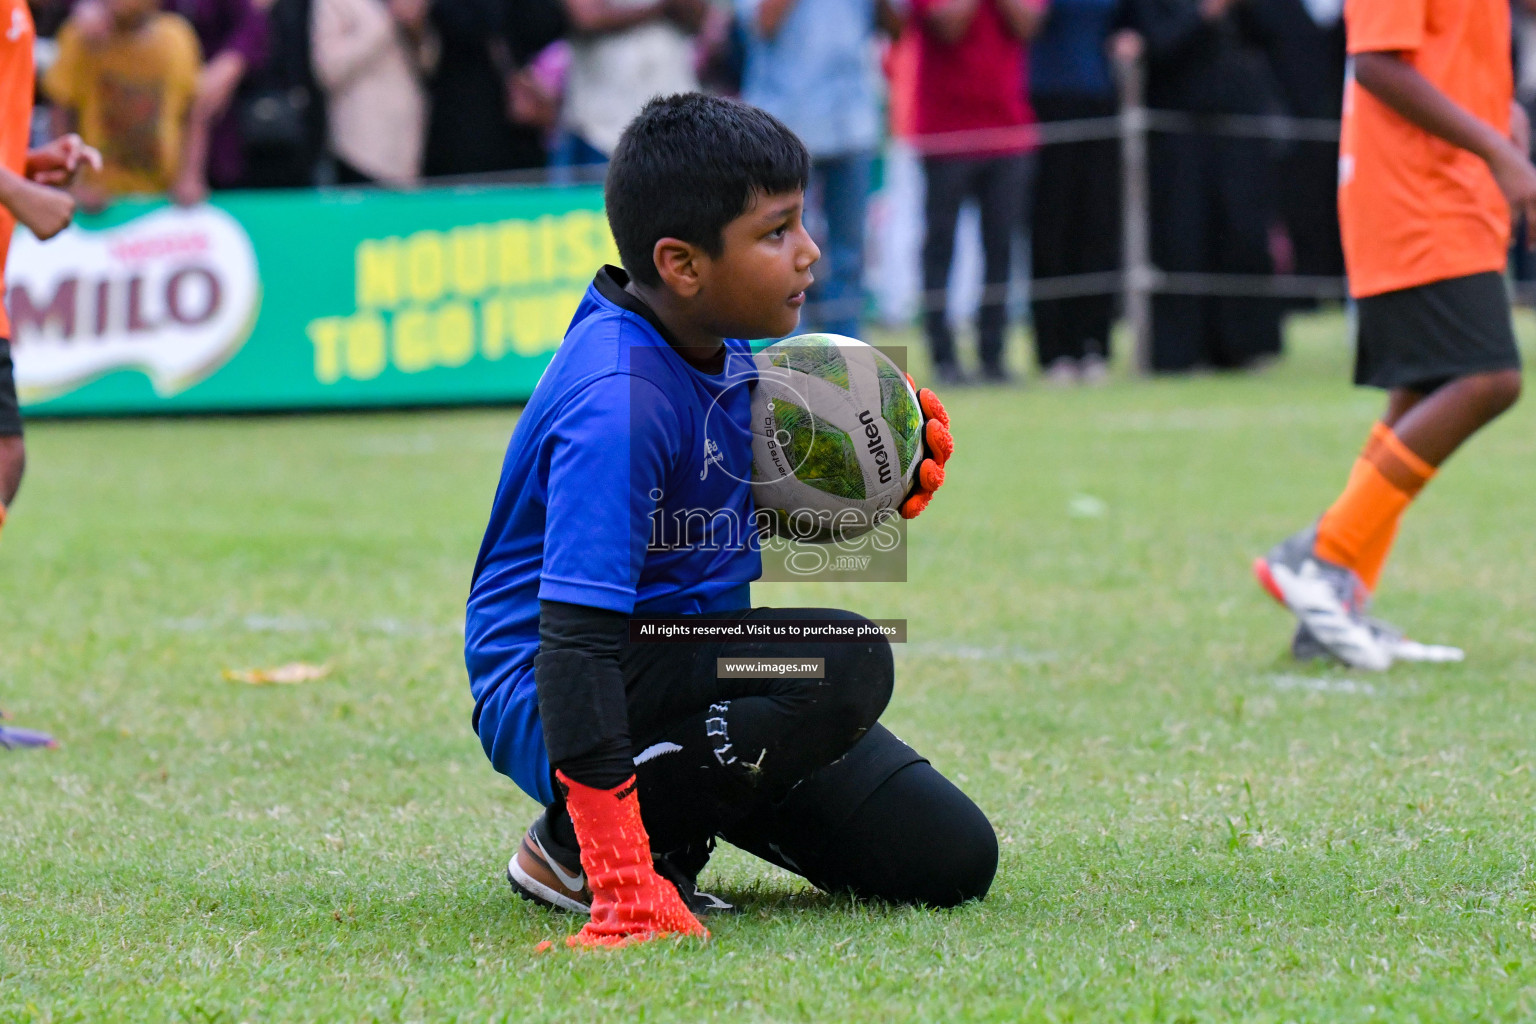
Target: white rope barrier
1138,279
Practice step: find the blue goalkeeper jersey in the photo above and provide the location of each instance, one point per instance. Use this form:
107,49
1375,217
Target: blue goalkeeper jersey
625,487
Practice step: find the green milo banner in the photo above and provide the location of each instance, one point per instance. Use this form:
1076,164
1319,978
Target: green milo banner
302,300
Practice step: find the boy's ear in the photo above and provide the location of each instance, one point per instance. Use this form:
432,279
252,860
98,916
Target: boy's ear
680,265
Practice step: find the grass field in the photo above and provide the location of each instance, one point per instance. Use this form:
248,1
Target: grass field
1194,828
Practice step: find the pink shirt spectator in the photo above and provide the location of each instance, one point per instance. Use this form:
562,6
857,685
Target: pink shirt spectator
973,85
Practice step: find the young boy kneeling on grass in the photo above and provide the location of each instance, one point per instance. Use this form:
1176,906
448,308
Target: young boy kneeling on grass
641,755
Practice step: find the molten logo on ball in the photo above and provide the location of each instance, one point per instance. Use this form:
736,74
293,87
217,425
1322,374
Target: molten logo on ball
837,433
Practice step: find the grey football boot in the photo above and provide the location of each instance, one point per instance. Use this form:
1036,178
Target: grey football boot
1305,647
545,870
1327,599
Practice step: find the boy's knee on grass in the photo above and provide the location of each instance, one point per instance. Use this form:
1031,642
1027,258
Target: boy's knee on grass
920,840
959,852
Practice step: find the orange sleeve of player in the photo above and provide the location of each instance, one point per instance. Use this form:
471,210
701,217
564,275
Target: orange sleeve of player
1383,25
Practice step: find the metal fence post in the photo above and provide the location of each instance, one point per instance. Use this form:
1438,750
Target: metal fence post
1138,276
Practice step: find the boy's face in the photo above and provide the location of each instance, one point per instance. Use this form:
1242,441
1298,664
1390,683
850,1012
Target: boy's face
756,286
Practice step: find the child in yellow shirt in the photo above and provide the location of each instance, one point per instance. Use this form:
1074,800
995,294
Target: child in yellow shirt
131,95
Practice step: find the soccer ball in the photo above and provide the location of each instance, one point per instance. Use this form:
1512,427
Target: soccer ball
836,437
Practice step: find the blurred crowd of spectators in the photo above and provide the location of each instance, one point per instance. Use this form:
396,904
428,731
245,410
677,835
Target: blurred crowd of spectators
186,95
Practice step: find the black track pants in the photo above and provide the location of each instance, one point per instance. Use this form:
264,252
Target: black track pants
798,771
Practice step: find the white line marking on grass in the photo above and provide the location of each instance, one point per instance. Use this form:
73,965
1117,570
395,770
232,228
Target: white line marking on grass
412,445
968,652
249,623
389,446
1311,684
194,624
307,624
1212,419
1086,506
283,624
399,627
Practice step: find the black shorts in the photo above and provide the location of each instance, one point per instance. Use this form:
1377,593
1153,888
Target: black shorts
872,818
1423,337
10,406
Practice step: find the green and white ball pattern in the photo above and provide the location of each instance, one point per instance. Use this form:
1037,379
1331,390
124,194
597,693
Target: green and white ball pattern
836,436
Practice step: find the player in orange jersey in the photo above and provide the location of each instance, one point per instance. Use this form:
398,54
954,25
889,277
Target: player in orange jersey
31,193
1434,161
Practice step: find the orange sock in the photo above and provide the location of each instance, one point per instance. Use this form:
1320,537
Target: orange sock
1374,556
1358,530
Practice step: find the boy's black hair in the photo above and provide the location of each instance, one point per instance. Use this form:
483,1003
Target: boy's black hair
687,166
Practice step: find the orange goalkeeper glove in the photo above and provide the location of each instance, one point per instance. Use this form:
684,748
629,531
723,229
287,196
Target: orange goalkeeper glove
630,901
938,446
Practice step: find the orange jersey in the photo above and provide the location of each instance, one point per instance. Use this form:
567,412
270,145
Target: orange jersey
17,76
1412,207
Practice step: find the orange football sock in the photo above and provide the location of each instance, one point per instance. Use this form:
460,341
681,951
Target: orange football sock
1373,557
1358,530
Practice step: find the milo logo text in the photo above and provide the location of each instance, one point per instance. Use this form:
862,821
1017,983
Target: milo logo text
80,309
171,294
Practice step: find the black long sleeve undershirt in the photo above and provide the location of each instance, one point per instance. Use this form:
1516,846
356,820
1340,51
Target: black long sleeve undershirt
581,693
